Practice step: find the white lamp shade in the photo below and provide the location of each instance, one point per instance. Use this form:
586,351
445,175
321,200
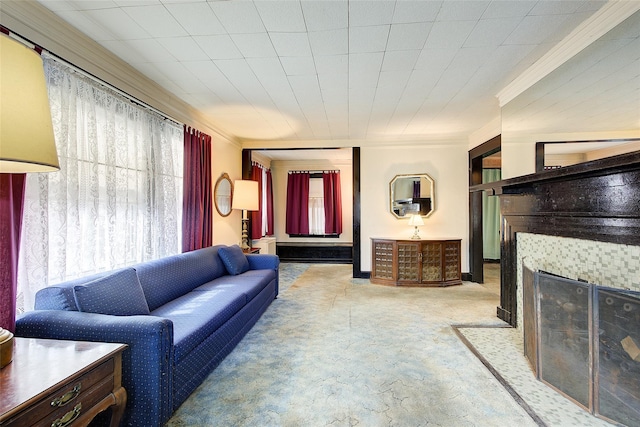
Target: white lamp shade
416,220
27,143
245,195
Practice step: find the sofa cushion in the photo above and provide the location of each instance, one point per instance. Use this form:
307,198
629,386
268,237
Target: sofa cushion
118,294
197,315
234,259
168,278
251,283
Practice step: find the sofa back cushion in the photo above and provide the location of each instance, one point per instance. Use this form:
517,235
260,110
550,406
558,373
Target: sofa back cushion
234,260
60,296
119,294
166,279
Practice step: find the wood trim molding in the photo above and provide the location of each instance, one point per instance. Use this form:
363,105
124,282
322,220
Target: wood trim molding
39,25
606,18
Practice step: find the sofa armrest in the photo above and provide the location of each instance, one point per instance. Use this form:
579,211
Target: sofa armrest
266,262
147,363
263,261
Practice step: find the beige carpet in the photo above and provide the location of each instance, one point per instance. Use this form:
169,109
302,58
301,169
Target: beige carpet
333,350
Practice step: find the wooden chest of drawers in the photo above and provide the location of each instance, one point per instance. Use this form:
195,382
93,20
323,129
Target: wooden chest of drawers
61,383
416,262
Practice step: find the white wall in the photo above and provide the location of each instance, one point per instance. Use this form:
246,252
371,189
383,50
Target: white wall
227,158
446,164
279,171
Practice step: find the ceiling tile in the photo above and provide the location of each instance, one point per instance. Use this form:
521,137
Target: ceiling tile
416,11
254,45
400,60
491,32
435,59
535,29
368,39
93,4
364,69
90,27
183,48
291,44
508,9
238,16
449,34
281,16
325,15
462,10
370,12
296,66
218,47
205,71
338,64
119,23
331,42
196,18
150,50
408,36
270,73
156,20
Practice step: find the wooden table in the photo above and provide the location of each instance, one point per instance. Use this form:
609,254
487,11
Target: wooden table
61,383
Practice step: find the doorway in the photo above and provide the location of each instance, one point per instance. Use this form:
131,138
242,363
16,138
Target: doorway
490,151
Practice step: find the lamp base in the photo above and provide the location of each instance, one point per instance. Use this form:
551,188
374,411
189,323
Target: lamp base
416,236
245,245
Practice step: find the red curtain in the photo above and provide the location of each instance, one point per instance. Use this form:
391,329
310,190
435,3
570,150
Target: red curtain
256,216
298,203
332,202
11,203
270,227
197,216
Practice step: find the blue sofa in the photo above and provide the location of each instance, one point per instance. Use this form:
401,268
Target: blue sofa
180,316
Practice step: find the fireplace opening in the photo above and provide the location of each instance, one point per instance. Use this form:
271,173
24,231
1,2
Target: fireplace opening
583,340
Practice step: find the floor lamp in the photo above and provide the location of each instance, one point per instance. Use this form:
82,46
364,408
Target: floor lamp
27,143
245,198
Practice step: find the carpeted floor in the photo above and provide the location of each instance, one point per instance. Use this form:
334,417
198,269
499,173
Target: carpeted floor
332,350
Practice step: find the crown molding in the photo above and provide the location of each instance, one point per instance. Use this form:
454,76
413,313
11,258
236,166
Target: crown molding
40,26
598,24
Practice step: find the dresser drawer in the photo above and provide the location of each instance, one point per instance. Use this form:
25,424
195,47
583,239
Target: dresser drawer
80,393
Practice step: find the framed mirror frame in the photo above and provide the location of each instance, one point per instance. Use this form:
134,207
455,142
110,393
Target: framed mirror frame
402,189
223,194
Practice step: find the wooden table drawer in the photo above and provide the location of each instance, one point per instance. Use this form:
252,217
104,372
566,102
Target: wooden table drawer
87,390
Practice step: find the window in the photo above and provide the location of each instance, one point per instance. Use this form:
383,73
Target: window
314,205
117,198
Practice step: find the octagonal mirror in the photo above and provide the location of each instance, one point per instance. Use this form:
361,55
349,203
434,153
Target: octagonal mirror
412,195
222,194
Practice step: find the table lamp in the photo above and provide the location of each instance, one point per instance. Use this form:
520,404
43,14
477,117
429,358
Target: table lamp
415,221
245,198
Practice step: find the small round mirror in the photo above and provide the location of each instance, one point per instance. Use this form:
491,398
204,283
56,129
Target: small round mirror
222,194
411,195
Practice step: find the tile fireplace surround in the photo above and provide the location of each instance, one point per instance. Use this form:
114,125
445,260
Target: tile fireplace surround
606,264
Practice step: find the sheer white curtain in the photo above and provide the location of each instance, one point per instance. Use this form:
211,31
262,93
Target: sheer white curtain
316,207
117,199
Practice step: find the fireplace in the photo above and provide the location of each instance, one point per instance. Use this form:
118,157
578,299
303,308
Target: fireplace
582,223
584,341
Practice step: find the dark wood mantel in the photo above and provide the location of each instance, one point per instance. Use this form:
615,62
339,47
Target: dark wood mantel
597,200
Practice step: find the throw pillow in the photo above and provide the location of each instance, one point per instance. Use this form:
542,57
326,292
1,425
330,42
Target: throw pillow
234,259
119,294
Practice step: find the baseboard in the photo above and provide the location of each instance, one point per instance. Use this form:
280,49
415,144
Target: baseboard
467,277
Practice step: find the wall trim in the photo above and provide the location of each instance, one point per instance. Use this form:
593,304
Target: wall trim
594,27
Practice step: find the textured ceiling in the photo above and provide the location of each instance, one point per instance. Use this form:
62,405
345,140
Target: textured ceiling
332,70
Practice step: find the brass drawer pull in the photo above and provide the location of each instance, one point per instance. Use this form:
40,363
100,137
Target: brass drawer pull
67,397
69,417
